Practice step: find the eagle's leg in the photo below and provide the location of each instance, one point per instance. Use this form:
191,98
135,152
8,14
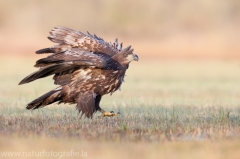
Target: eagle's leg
109,114
104,113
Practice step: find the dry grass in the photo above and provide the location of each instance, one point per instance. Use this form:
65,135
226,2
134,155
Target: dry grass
172,109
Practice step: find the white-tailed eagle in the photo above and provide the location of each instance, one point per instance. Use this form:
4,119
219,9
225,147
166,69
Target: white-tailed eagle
86,68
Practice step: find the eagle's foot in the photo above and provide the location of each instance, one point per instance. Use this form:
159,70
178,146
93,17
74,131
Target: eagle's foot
109,114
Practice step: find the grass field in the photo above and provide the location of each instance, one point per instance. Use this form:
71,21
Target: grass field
169,109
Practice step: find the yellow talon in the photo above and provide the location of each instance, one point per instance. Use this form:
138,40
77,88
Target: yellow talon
108,114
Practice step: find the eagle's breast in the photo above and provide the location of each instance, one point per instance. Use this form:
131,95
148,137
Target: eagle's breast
100,81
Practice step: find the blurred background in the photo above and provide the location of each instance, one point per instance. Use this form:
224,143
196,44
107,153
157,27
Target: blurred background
189,53
195,29
189,50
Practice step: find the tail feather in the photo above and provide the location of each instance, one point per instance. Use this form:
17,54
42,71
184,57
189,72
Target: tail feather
46,99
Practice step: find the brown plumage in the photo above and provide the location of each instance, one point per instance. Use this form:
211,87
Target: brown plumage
86,68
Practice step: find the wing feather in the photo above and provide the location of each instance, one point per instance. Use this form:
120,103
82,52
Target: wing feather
93,43
75,50
62,78
55,69
76,56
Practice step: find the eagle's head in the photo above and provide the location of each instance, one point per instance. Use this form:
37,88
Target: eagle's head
125,56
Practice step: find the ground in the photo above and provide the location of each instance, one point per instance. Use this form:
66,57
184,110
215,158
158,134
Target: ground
169,109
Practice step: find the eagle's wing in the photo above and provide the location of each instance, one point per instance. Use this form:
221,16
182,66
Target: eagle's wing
68,38
74,55
64,63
